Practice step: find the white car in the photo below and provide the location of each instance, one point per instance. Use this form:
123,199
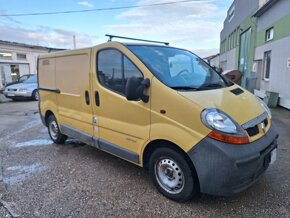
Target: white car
26,89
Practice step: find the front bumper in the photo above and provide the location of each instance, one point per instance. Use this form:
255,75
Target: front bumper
15,94
226,169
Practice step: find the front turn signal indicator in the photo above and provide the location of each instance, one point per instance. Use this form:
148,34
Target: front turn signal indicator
231,139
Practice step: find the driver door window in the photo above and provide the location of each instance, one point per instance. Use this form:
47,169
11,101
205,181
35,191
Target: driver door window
114,69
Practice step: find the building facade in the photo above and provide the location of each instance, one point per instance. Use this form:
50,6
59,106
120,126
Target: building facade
272,50
256,40
238,38
17,59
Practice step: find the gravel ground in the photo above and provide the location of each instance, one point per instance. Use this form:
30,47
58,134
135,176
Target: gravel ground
41,179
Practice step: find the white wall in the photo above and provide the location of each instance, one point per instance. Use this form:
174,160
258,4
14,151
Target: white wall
215,61
28,66
279,72
228,60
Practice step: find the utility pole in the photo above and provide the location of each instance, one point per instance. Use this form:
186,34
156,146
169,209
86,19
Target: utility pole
74,42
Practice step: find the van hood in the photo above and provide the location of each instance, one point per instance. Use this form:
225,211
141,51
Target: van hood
23,85
241,107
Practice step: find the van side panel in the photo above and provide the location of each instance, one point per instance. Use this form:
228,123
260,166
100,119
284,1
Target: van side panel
46,77
180,121
72,79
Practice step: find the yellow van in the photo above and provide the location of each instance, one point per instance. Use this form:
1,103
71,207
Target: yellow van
162,108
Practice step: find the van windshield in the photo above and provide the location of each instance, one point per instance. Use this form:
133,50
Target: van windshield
177,68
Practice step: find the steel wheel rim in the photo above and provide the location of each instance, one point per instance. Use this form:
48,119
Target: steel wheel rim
53,129
169,175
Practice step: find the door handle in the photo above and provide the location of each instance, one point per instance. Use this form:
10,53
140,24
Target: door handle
97,98
87,98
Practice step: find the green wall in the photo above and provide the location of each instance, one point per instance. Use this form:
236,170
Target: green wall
281,30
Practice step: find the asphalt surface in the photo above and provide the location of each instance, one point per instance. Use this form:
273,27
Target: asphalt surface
41,179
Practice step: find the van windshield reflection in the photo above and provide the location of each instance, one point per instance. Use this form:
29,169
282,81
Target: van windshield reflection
177,68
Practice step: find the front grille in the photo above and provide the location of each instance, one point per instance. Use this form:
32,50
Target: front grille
252,127
265,122
12,90
252,131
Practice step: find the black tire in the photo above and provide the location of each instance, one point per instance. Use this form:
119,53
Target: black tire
166,164
35,95
54,132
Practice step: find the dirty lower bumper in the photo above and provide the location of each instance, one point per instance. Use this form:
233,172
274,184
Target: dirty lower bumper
226,169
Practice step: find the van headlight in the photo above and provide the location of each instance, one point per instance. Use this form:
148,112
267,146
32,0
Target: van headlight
223,127
265,107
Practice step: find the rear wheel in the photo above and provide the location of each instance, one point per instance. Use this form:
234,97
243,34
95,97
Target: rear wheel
172,175
54,131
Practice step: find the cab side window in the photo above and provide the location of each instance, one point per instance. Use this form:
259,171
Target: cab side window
110,70
114,69
130,70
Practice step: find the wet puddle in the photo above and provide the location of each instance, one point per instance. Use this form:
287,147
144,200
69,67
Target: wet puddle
20,173
33,143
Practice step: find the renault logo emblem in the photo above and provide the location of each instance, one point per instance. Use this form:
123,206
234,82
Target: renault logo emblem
263,127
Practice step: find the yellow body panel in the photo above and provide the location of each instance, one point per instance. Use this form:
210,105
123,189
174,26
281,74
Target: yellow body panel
121,122
242,108
132,125
68,72
181,123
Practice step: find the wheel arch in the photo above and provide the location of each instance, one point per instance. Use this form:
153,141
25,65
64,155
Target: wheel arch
159,143
47,114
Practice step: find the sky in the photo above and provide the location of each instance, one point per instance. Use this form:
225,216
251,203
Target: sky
193,25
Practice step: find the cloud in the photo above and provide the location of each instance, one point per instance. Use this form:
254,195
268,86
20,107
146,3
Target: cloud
194,25
46,36
205,52
87,4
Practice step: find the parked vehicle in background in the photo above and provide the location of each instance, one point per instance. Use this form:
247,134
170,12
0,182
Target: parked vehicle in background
162,108
20,79
28,89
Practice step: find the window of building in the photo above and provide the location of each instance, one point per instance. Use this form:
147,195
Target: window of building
21,56
231,13
269,34
114,69
222,48
234,39
267,65
6,55
238,36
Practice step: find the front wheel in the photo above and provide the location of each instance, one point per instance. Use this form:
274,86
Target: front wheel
173,175
54,131
35,95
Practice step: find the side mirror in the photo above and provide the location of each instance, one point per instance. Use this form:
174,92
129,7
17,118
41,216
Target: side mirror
135,88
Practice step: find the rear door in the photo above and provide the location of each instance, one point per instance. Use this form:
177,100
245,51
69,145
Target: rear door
74,100
123,125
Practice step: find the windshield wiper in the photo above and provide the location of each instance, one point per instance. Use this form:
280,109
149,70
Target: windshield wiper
210,86
184,88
